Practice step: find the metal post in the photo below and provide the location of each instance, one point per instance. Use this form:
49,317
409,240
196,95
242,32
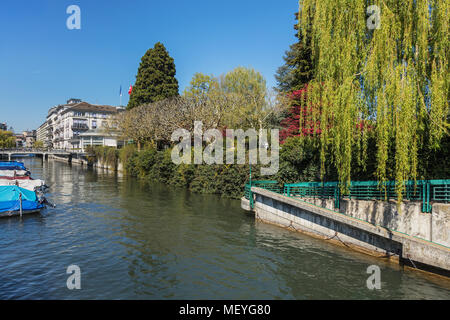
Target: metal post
20,204
252,201
423,197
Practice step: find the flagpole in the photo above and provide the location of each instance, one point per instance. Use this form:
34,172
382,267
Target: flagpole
120,94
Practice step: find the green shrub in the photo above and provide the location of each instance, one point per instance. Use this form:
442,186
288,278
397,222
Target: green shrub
163,168
299,161
145,161
125,155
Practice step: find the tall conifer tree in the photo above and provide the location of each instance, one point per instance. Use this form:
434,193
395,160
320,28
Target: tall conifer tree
298,68
155,80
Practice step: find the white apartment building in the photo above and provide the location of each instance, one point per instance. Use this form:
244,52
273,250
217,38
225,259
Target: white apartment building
41,134
77,124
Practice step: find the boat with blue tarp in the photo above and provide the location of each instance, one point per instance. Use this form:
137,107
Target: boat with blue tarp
19,193
12,165
15,201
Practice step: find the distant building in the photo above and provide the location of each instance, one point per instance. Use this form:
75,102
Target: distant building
3,126
77,124
20,140
41,134
29,138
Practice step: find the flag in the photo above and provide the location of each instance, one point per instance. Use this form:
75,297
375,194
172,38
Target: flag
131,89
120,92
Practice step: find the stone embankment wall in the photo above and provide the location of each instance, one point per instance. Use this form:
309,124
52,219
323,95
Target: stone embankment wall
409,218
103,165
83,161
376,228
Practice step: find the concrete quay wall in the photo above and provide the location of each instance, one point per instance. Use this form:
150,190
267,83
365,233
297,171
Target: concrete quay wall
377,229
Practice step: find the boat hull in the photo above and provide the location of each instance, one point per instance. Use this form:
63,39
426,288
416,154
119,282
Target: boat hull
8,214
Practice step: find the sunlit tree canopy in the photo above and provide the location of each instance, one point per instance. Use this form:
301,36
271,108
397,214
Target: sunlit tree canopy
392,72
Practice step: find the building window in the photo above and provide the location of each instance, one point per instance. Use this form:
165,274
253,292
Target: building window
97,141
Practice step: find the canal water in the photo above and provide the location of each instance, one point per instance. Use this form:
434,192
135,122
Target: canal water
148,241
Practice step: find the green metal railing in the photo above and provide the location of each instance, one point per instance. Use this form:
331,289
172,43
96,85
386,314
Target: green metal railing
426,191
315,190
264,184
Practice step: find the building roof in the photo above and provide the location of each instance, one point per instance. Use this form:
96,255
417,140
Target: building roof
87,107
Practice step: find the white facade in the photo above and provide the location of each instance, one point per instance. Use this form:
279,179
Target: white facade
99,138
66,123
41,133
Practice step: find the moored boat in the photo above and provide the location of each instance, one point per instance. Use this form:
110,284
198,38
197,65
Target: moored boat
16,178
12,169
19,193
15,201
14,173
19,165
11,173
29,184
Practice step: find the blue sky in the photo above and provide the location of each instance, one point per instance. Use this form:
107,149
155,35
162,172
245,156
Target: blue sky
42,63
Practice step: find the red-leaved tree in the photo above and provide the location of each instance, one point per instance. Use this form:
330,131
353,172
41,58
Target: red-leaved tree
291,124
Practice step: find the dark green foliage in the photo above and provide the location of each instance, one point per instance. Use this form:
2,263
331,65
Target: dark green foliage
183,175
298,66
204,179
155,80
434,163
225,180
131,167
299,161
297,69
163,168
145,161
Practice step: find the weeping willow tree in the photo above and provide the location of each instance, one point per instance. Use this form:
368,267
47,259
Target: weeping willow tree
390,79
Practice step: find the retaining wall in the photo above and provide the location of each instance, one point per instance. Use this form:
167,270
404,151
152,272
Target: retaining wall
408,218
375,228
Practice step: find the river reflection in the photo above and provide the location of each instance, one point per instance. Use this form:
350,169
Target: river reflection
134,240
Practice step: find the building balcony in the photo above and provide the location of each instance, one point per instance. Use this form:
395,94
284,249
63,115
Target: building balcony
80,126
